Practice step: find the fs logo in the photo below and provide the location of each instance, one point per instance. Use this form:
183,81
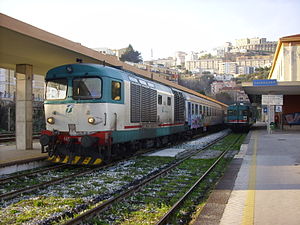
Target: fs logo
69,108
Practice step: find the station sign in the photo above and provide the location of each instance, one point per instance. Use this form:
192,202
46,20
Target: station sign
268,82
272,99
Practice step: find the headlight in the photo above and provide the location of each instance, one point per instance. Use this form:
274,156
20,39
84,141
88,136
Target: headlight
91,120
50,120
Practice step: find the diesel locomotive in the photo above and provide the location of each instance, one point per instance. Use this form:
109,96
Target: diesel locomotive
95,112
241,116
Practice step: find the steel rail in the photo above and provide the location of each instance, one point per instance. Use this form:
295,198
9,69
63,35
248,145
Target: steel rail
59,180
7,179
165,218
96,210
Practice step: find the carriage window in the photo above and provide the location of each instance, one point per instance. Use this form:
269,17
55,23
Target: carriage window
159,99
200,109
169,100
87,88
193,109
56,89
196,109
116,90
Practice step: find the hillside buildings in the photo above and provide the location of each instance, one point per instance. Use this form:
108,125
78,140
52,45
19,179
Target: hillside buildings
256,44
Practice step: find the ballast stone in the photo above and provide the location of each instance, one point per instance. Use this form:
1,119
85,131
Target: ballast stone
169,152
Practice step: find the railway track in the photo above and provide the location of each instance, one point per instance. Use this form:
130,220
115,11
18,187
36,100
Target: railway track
84,177
180,202
25,187
142,186
28,174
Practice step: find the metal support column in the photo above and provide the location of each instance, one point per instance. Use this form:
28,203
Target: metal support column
24,109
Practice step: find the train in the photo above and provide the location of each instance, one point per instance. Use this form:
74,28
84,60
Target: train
95,113
241,116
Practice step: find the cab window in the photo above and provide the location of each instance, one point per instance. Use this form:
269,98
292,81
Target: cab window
56,89
116,90
87,88
231,112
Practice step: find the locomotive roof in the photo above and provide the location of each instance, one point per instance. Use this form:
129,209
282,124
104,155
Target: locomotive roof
84,69
94,69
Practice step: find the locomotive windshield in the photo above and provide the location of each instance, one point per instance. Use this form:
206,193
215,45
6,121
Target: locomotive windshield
231,112
87,88
56,89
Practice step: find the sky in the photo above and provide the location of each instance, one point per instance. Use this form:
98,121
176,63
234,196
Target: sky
165,26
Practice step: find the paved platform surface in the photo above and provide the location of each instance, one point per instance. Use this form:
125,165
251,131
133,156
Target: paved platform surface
266,190
9,154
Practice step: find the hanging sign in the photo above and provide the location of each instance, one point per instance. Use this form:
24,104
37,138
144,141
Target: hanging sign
272,99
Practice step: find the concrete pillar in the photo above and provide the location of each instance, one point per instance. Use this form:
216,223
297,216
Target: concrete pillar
24,109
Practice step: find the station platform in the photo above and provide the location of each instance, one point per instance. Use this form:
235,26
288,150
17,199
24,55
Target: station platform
9,155
261,185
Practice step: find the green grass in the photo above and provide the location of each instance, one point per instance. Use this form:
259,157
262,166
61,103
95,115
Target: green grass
38,208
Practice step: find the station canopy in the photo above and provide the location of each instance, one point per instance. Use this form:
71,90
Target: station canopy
255,91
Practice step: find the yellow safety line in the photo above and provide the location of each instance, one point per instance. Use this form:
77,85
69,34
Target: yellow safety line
248,213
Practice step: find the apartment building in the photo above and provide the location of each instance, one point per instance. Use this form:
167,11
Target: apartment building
255,61
227,68
210,64
256,44
180,58
217,86
236,93
246,69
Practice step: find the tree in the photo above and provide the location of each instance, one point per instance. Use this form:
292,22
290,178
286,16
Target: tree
225,98
260,73
131,55
206,56
201,85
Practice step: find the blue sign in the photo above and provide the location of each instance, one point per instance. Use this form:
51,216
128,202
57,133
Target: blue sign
265,110
271,82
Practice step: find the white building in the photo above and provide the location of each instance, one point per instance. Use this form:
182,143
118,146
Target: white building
227,68
180,58
105,51
246,69
192,56
223,77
